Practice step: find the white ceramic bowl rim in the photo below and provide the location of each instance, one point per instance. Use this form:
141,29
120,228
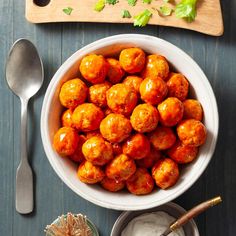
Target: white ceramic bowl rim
123,38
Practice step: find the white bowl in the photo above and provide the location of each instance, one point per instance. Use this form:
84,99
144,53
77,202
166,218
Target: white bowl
51,110
172,209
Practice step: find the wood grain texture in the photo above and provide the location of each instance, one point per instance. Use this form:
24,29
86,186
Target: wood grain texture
208,20
55,42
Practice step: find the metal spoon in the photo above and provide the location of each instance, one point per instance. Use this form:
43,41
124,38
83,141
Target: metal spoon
24,75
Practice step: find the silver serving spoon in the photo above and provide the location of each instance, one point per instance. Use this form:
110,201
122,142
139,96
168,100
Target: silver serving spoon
24,75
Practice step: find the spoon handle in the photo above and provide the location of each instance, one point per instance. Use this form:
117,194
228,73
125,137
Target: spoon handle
24,175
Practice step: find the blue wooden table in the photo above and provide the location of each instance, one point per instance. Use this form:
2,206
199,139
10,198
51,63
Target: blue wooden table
55,42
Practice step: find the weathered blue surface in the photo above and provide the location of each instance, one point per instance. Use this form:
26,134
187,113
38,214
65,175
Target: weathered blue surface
55,42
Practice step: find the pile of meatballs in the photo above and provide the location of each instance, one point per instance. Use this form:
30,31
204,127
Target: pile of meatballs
128,122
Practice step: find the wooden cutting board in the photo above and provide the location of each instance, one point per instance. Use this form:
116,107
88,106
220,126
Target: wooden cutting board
209,17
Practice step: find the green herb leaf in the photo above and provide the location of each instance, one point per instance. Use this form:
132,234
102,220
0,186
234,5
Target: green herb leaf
142,18
100,4
113,2
186,9
132,2
125,14
165,10
67,10
147,1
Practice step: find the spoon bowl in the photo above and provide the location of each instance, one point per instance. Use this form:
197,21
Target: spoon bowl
24,76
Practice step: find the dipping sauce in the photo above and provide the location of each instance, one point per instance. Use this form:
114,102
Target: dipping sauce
151,224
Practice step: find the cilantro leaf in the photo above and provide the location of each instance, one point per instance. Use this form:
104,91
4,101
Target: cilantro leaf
165,10
142,18
100,4
132,2
125,14
67,10
147,1
186,9
113,2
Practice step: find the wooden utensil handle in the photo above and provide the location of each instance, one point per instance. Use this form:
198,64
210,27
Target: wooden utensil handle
194,212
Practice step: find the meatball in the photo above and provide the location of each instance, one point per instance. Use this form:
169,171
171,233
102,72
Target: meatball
141,182
132,60
117,149
165,173
156,66
66,118
192,132
162,138
94,68
136,146
153,90
115,128
120,168
171,111
181,153
97,151
133,82
148,162
115,72
177,86
78,156
97,94
112,185
192,109
89,173
66,141
121,99
87,117
144,118
73,93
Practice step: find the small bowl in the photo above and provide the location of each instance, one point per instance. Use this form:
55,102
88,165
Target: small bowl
190,228
90,224
111,46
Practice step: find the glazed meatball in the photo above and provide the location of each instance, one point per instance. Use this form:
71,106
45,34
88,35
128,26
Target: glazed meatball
192,132
66,118
87,117
136,146
144,118
120,168
97,151
149,161
94,68
112,185
141,182
66,141
156,66
162,138
153,90
117,149
89,173
115,128
73,93
133,82
78,156
192,109
181,153
97,94
115,72
171,111
177,86
132,60
165,173
121,99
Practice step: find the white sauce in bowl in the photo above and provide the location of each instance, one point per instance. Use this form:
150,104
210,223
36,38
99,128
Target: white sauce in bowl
151,224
